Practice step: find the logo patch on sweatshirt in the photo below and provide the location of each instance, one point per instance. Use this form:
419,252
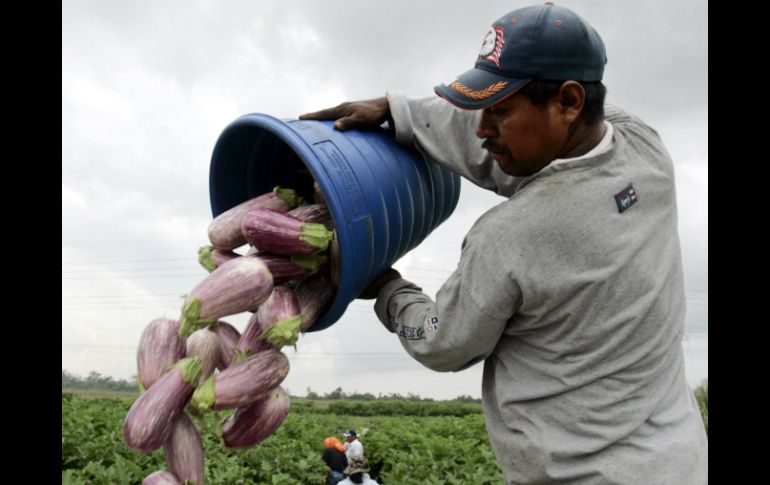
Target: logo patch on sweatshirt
411,333
431,323
626,198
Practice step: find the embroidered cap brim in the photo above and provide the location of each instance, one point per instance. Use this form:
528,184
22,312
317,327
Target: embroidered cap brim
478,89
542,42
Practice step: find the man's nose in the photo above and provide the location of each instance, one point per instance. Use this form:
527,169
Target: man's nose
485,128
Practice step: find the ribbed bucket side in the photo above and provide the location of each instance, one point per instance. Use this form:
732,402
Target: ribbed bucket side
384,198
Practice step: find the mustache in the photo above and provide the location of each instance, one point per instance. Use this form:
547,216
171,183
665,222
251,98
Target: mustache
493,147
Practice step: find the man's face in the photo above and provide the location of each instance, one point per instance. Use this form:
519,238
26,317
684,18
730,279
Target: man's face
350,438
520,137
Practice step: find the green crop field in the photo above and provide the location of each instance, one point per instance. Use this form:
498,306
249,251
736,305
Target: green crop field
406,442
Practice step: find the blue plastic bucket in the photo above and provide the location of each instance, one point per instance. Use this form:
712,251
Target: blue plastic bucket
385,198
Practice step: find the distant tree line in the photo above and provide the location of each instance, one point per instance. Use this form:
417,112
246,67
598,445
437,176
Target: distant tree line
383,407
96,382
340,395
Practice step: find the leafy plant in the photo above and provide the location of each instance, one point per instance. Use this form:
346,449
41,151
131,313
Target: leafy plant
416,447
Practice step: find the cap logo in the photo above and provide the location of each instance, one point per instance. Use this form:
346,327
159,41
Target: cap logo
492,45
481,93
557,22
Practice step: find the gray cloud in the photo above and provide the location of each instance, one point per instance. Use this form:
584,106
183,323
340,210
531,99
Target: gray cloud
147,87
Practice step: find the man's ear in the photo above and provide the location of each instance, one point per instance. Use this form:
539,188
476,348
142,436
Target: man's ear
571,99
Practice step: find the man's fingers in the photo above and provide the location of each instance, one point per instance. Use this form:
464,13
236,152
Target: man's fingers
324,114
371,291
340,124
343,124
359,115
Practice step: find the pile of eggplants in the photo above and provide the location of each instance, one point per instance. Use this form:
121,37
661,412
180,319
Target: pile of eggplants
286,278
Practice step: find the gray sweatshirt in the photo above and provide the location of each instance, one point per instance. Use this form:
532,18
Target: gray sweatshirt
571,292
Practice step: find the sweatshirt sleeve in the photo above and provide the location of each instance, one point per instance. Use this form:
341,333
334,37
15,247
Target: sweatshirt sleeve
447,135
464,324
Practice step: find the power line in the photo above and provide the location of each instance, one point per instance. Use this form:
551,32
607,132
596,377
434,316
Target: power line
185,267
124,307
143,295
299,356
122,301
132,276
127,261
192,258
165,307
174,306
107,243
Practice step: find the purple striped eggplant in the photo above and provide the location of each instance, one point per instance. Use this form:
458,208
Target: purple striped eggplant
184,451
204,343
151,418
161,477
228,341
249,344
279,306
278,233
317,213
313,295
287,268
280,318
239,285
160,347
242,383
255,422
279,310
211,258
225,230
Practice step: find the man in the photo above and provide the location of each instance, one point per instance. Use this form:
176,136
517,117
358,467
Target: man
358,473
571,291
353,447
334,457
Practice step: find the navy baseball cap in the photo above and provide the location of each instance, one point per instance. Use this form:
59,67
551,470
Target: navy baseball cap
543,42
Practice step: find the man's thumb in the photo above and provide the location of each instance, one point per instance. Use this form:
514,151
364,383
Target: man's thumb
344,123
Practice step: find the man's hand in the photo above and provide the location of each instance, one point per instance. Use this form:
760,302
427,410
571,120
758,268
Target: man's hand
369,113
371,291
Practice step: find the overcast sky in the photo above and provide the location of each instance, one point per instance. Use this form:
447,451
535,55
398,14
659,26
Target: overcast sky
147,87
